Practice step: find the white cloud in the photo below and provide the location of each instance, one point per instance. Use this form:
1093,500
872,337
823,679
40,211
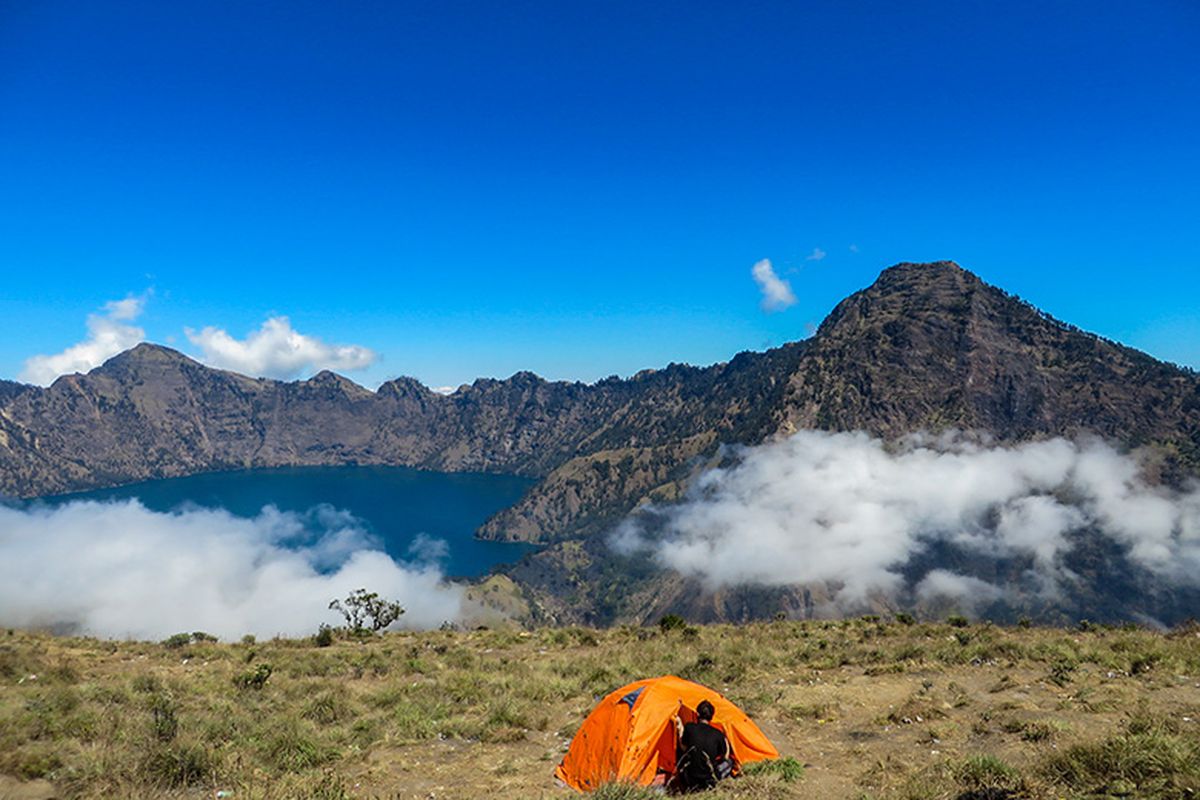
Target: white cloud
816,255
848,511
276,350
119,570
941,583
776,292
109,333
853,248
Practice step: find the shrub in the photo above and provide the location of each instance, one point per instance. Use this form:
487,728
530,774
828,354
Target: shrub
254,679
1061,672
585,637
324,636
178,765
1143,663
331,787
905,618
11,666
988,776
671,622
1038,731
177,640
327,708
957,621
290,750
165,724
147,684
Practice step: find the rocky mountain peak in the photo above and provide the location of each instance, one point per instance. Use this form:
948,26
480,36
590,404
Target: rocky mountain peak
143,357
147,352
329,378
405,386
917,271
331,384
906,292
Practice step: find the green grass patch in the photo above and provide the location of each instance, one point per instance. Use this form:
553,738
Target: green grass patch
787,769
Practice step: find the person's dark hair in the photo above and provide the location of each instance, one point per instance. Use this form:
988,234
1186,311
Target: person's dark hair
705,711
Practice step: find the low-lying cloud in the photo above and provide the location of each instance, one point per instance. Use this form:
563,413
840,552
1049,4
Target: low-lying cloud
110,331
847,511
277,350
776,292
117,569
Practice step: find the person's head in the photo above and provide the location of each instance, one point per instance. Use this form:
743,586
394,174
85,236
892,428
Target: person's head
705,711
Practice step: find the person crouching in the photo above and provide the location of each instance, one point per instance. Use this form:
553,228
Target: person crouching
703,756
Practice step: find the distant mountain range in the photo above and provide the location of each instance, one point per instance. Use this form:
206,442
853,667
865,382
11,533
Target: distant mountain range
926,347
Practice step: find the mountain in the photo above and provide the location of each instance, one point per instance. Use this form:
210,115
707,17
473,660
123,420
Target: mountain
151,412
926,347
933,346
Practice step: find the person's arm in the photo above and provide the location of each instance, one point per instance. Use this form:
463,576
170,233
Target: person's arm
678,727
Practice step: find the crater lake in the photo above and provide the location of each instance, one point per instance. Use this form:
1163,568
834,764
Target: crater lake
402,508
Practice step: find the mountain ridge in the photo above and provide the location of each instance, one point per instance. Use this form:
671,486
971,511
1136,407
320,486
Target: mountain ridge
925,347
944,348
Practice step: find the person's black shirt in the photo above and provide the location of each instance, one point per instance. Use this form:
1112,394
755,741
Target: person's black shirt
699,772
709,739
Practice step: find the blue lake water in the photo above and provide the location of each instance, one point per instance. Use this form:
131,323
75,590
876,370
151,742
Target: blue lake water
395,504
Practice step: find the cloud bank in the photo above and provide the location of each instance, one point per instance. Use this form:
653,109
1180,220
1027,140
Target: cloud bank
847,511
776,292
109,332
276,350
119,570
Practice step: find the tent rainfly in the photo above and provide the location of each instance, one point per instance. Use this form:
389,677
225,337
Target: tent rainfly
629,735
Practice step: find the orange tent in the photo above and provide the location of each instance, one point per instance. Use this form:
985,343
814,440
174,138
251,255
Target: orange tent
629,735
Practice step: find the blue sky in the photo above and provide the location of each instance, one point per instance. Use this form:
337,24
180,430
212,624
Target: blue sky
461,189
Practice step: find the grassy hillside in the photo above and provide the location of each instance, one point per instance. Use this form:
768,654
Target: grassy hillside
873,709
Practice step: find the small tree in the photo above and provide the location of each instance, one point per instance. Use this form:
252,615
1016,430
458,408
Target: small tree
361,607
